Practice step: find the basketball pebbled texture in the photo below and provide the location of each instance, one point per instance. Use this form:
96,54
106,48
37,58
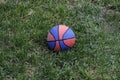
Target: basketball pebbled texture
61,38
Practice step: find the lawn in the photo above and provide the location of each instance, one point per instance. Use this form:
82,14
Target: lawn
24,25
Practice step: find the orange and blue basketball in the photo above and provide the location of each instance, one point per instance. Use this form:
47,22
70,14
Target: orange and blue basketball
61,38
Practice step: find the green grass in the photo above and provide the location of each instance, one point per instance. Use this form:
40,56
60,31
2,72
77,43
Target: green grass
24,54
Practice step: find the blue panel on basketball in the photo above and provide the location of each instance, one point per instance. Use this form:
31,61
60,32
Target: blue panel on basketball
69,34
54,32
51,45
63,46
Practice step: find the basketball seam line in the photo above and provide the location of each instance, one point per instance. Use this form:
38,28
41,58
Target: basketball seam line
53,41
58,37
52,35
61,40
65,32
66,45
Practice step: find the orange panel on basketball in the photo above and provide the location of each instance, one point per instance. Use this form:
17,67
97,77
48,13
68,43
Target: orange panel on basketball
70,42
62,30
50,37
57,46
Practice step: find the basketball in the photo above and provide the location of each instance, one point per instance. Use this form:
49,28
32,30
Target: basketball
60,38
